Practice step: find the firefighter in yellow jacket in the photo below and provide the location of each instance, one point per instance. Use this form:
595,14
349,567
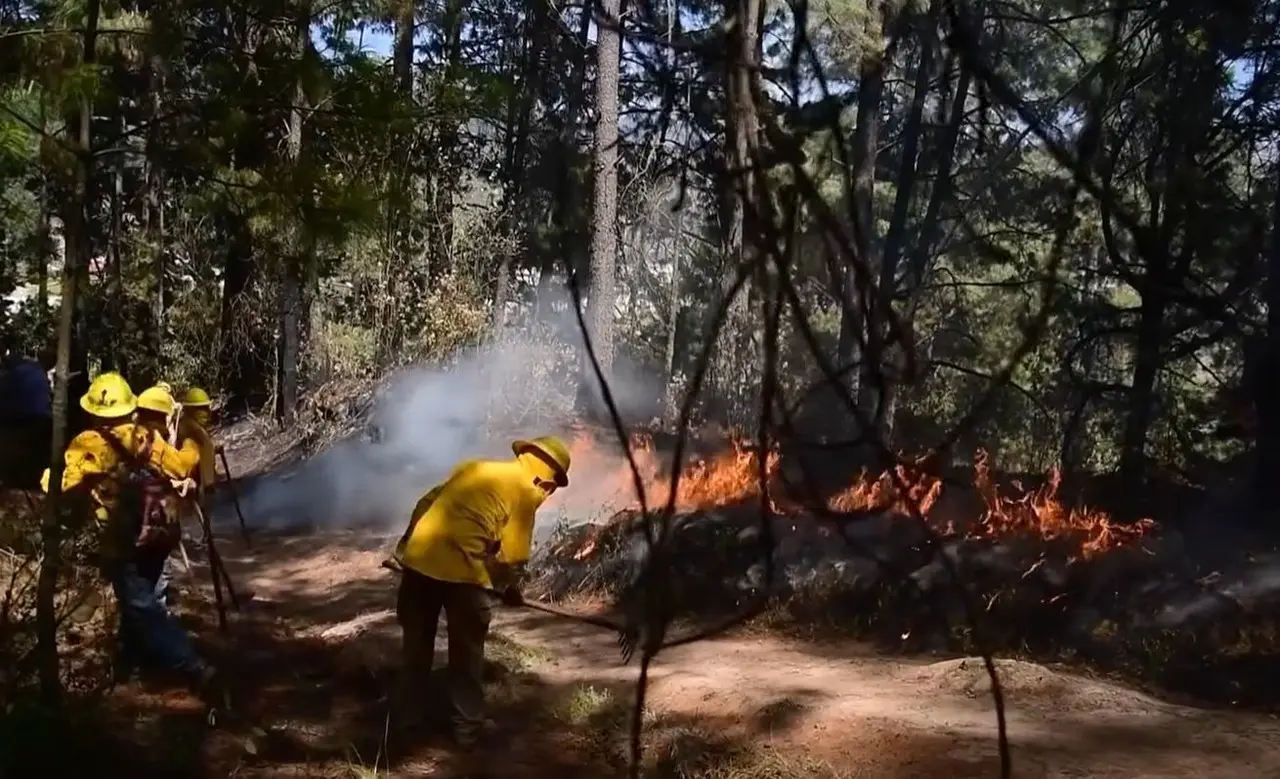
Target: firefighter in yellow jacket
193,430
468,536
111,463
157,411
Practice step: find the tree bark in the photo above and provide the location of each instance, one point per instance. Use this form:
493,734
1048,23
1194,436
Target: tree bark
78,254
604,235
880,401
731,375
1266,388
565,150
1133,445
853,317
294,310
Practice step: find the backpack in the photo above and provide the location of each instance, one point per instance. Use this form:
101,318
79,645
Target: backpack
142,519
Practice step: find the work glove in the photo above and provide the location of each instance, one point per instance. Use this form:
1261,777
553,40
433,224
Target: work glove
183,486
511,596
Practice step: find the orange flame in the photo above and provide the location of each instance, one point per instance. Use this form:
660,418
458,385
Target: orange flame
733,477
1040,512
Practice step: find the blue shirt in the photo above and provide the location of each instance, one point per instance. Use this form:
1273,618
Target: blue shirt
24,391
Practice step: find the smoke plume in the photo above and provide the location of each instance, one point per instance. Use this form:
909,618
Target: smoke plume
425,420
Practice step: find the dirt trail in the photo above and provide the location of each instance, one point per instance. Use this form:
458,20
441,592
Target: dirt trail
835,711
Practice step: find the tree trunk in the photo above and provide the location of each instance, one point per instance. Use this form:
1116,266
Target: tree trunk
671,402
46,237
447,171
241,367
1267,387
565,150
114,360
1147,361
520,106
77,221
853,318
881,402
604,235
939,194
734,353
400,196
297,271
153,205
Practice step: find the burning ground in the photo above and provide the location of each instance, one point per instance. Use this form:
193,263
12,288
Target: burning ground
315,652
1044,578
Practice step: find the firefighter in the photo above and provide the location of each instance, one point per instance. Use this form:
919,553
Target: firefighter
157,411
120,466
467,537
194,422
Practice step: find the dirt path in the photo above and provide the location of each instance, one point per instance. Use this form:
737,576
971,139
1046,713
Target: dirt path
741,706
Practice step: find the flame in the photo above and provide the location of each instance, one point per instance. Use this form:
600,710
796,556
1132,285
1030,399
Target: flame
1040,512
885,493
727,478
732,477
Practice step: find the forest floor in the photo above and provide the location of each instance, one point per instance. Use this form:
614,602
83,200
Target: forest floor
314,656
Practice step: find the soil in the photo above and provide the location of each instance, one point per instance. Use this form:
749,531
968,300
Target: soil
314,654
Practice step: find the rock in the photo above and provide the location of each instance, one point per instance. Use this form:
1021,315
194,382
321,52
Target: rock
931,576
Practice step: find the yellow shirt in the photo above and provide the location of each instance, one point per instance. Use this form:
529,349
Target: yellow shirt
192,434
455,526
91,461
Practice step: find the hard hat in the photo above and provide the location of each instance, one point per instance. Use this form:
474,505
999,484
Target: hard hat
109,397
195,397
551,449
156,399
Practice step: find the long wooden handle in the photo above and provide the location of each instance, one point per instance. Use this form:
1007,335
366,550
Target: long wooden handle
589,619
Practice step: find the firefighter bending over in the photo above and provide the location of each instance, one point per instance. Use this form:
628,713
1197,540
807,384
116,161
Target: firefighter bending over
123,468
468,535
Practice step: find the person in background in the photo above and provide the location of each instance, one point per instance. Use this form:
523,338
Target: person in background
26,421
468,536
114,466
194,425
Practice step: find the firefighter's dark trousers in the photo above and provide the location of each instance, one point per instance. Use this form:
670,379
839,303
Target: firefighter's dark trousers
148,634
467,609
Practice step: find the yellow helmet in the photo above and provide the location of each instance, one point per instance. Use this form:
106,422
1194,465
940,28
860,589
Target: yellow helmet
195,397
156,399
551,449
109,397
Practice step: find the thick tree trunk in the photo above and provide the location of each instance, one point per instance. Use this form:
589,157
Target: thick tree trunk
294,309
1267,386
735,356
604,235
1142,394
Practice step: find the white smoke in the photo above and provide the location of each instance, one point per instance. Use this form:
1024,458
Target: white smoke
427,419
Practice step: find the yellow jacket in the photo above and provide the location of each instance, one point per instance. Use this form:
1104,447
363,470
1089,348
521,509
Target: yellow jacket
483,512
192,434
92,461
